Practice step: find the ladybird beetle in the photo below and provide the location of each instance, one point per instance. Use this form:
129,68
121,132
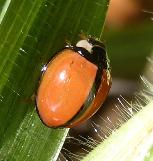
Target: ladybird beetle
74,84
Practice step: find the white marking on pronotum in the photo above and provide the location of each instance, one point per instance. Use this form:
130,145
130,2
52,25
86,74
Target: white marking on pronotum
84,44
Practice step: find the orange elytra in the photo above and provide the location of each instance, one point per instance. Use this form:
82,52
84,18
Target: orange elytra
74,84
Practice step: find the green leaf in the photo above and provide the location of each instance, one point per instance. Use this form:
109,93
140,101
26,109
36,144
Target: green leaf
130,142
31,31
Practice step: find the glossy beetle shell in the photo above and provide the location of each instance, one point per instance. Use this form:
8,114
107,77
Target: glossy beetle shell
74,85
